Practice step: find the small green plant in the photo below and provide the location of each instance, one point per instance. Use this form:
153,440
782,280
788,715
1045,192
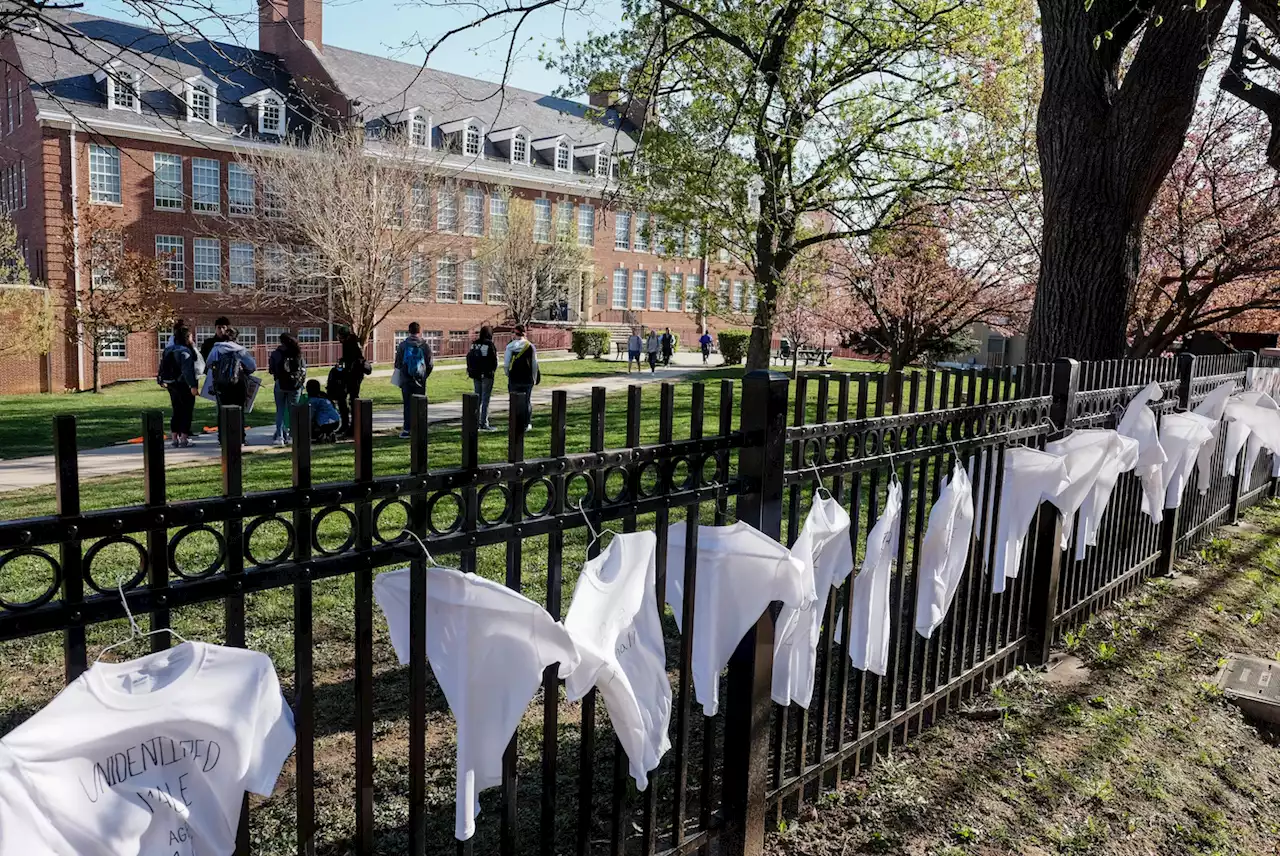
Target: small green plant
964,833
589,341
1219,608
733,345
1106,652
1210,690
1075,638
1254,618
782,826
1197,638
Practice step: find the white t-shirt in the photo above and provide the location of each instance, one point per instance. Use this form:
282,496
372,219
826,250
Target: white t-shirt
151,756
1212,408
1030,477
945,551
1140,424
1182,435
824,547
1122,459
614,622
488,647
869,621
740,571
1094,458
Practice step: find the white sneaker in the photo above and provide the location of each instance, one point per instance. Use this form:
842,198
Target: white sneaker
278,441
529,427
405,435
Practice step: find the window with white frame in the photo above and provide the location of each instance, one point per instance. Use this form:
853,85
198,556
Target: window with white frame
105,250
675,287
275,269
602,164
272,201
724,293
752,297
695,244
206,180
419,205
400,336
271,116
124,92
691,285
447,280
497,291
586,226
619,289
446,211
639,290
419,131
642,233
498,205
458,340
204,333
201,105
739,289
247,336
420,276
307,271
564,221
471,140
104,174
519,149
542,220
111,344
471,292
308,335
170,251
677,242
206,256
239,189
168,181
242,264
271,335
162,339
657,293
433,338
564,159
473,211
622,230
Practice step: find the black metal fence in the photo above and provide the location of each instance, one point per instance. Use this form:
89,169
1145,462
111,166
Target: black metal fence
565,785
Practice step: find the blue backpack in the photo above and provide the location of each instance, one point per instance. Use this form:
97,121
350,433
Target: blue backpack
414,363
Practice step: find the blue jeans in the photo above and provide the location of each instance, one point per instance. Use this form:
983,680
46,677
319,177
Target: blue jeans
407,392
484,389
523,403
285,399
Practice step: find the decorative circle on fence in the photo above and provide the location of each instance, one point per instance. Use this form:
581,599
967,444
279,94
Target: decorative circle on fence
291,539
96,550
579,489
45,596
649,480
324,515
610,494
482,500
378,511
812,454
183,534
709,470
682,476
531,494
440,519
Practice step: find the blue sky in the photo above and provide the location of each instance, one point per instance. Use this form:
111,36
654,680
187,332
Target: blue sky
402,28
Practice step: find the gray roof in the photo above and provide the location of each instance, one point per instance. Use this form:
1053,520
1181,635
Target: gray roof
61,59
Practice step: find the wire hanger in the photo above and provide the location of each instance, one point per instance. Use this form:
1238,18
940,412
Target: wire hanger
134,631
431,560
595,535
821,489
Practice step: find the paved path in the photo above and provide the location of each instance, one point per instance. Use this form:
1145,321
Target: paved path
38,470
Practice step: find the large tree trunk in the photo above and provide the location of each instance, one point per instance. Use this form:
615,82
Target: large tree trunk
1108,133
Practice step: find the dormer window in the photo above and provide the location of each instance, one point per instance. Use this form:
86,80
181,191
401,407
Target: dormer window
562,157
593,158
270,108
512,143
201,95
464,137
121,87
602,164
419,131
519,149
471,144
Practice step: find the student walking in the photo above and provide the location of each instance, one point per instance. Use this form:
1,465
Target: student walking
177,374
228,366
521,365
653,346
668,346
482,363
354,368
634,346
705,342
289,369
414,364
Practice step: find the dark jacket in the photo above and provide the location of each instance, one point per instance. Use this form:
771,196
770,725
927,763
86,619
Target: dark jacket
336,385
276,365
206,346
668,343
488,356
186,361
353,361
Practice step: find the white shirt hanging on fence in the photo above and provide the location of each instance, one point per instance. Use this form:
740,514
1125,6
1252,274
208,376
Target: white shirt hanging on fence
1213,408
870,620
740,571
1094,458
1182,435
488,647
149,756
1030,477
1253,422
1139,423
615,624
1123,459
826,550
945,551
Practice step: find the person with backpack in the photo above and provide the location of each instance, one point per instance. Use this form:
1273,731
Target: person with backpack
652,346
354,368
482,363
705,342
289,369
220,328
336,390
521,365
414,365
177,374
228,366
668,346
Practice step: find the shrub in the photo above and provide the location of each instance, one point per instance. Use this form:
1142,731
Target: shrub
588,340
733,345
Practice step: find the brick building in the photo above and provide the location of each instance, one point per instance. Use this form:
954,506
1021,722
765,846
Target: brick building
111,115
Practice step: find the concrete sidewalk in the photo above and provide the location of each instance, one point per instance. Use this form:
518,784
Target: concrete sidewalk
38,471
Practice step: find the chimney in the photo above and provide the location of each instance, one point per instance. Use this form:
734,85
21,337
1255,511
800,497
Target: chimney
271,25
306,20
283,25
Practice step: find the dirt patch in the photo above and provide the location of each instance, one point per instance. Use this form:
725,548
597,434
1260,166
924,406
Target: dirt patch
1126,747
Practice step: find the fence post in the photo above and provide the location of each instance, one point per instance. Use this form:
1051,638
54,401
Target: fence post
1241,478
1169,522
1047,569
747,703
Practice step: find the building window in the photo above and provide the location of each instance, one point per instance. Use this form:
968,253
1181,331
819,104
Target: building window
247,336
240,257
619,289
271,117
642,233
677,243
497,291
124,93
275,270
690,289
446,211
169,250
752,297
695,244
420,200
447,280
473,209
586,226
739,288
458,340
308,335
104,174
675,287
433,338
22,168
564,162
207,263
622,230
471,282
602,165
272,202
724,293
307,271
200,104
419,131
471,140
542,220
400,336
204,334
168,181
564,221
104,252
419,277
657,294
519,149
639,281
239,189
206,175
112,345
271,335
498,215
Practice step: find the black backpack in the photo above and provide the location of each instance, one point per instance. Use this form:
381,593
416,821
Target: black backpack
293,374
228,373
170,372
475,361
